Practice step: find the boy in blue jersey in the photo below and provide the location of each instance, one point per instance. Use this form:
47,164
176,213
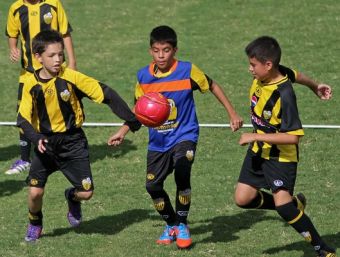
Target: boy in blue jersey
172,146
272,157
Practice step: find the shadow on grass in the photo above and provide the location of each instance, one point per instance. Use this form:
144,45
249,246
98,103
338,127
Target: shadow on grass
102,151
9,152
108,225
224,228
306,248
97,152
11,186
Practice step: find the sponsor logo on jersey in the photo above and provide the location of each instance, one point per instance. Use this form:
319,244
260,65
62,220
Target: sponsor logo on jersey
253,101
86,183
34,13
65,95
278,182
48,18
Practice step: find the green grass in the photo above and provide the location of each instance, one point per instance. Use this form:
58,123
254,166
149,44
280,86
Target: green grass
111,43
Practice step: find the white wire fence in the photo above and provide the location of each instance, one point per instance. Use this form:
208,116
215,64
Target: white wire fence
203,125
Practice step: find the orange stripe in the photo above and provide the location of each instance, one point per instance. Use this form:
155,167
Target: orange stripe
167,86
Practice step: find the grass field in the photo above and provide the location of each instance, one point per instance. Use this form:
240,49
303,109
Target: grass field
111,43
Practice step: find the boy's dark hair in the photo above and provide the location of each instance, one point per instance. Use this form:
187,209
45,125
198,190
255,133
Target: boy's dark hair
264,49
45,38
163,34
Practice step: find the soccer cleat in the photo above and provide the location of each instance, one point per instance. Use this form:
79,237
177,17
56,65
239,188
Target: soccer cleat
183,238
324,253
168,236
33,233
18,166
300,201
74,210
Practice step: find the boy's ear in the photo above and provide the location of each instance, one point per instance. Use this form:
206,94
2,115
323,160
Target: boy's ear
268,65
38,57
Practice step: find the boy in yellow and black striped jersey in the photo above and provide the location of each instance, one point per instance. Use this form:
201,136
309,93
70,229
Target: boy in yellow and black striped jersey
25,19
272,157
51,115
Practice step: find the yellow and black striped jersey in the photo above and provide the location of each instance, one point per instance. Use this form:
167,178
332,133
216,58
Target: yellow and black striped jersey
274,109
55,105
25,20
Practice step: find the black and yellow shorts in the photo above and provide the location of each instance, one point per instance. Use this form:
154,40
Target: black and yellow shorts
268,174
67,152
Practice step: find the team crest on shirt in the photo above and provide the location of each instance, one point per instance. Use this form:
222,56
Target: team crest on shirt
86,183
267,114
65,95
258,91
48,18
190,155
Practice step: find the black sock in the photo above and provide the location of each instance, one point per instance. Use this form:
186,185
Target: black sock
35,218
25,148
263,200
302,224
183,200
165,209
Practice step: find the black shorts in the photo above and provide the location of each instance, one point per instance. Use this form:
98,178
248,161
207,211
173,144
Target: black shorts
67,152
268,174
161,164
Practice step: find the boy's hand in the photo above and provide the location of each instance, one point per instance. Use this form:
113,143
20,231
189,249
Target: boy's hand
236,122
14,54
116,139
41,145
323,91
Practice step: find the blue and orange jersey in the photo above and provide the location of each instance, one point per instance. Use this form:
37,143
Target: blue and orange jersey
177,85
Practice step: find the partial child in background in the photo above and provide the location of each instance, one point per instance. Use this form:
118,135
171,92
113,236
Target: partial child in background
26,18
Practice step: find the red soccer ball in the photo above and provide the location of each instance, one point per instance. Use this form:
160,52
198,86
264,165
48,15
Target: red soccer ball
152,109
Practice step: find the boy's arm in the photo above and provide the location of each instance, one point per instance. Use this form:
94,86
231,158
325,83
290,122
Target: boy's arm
118,137
236,121
272,138
70,51
14,51
323,91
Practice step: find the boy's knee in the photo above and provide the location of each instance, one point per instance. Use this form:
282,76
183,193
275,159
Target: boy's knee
36,193
84,195
241,201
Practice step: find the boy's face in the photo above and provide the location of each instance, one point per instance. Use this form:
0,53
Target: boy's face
52,58
260,70
163,55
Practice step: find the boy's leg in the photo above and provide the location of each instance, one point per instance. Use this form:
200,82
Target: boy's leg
75,165
35,216
159,166
183,157
299,221
24,163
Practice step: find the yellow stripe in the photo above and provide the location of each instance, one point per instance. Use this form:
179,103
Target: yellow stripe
262,201
296,219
